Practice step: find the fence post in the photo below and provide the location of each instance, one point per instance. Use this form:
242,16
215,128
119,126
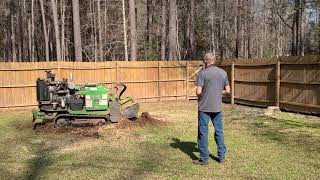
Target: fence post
59,69
278,81
232,82
117,72
159,80
187,81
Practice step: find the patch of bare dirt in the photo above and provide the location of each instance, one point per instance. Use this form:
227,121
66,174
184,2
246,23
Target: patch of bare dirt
97,131
87,131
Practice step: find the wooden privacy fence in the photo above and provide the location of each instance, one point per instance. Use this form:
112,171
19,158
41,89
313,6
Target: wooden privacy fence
293,83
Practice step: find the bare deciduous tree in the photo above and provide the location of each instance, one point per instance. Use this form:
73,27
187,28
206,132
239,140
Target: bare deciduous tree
56,29
172,30
76,30
44,29
38,30
133,30
163,29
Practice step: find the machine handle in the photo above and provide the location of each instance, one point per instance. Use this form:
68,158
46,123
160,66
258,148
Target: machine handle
123,90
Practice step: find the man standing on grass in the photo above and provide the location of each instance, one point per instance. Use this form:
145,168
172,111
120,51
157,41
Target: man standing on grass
212,82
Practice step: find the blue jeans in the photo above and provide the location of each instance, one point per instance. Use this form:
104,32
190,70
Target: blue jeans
203,121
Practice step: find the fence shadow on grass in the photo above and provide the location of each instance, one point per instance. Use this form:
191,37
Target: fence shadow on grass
289,133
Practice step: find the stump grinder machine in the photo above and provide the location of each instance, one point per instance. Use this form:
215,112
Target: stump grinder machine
66,103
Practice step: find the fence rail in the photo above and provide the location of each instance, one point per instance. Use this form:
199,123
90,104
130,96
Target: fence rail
292,83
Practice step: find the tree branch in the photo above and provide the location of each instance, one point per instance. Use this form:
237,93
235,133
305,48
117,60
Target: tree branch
285,22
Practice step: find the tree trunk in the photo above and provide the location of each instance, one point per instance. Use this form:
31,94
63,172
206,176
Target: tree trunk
221,30
76,30
177,39
301,28
37,51
149,27
250,22
293,39
8,44
190,30
124,31
21,32
56,29
244,39
297,17
295,29
280,38
133,30
13,39
92,29
105,29
318,31
51,38
99,32
95,33
32,31
29,40
163,29
172,30
5,47
44,29
237,29
213,46
63,44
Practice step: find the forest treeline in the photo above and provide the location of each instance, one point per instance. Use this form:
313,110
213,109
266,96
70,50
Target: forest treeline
101,30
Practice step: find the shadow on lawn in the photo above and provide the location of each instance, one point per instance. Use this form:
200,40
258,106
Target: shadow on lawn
40,162
189,148
287,123
38,157
186,147
289,133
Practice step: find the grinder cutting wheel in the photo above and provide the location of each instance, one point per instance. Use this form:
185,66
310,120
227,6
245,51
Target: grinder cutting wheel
66,103
122,108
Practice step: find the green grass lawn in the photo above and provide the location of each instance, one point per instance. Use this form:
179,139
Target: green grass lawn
286,146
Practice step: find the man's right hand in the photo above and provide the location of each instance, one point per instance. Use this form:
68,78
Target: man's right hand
198,91
226,91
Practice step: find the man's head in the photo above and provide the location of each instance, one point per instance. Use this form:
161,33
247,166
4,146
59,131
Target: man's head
209,59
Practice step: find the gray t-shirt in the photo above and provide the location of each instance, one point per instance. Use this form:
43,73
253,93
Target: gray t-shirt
212,80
